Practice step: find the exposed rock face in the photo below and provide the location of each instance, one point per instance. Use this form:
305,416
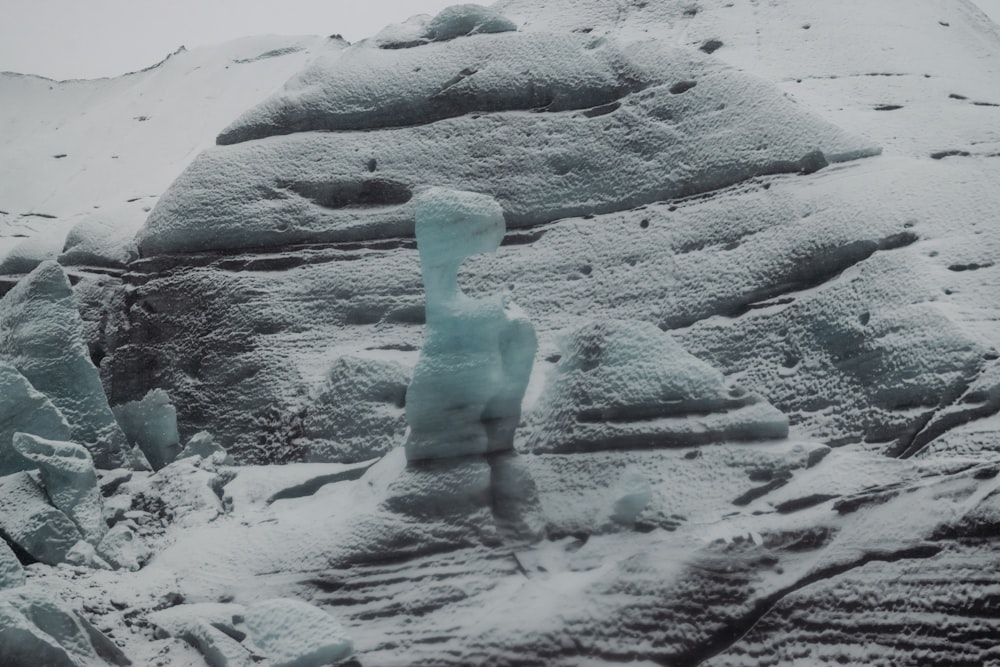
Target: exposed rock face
629,385
41,336
465,396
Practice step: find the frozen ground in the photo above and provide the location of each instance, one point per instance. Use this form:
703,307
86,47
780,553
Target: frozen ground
757,242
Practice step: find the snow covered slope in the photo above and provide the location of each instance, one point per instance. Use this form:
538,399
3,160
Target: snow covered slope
70,148
790,207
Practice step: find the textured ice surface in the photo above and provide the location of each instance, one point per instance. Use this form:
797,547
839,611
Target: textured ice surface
39,629
616,126
122,548
622,384
358,413
67,473
151,425
11,572
29,521
292,633
41,336
467,386
450,22
25,410
204,445
213,628
104,238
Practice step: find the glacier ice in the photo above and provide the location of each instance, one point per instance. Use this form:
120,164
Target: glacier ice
627,384
292,633
466,19
202,444
70,481
30,522
467,386
151,425
41,336
123,548
358,413
24,409
39,629
11,572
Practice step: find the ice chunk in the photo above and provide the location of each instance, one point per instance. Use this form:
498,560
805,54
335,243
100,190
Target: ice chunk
465,396
24,409
202,444
411,32
151,425
123,548
83,554
68,474
292,633
209,627
467,19
39,629
358,415
11,572
104,238
29,521
628,384
41,335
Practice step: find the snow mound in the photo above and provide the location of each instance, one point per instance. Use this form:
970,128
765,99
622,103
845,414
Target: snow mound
25,410
151,425
628,384
292,633
41,335
454,114
103,239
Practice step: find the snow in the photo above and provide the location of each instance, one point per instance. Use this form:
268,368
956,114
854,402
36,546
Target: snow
465,394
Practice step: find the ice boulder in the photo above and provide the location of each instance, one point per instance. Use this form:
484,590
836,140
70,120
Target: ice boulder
37,629
466,19
358,414
627,384
24,409
465,396
104,238
292,633
212,628
70,481
41,335
617,126
28,521
11,572
151,425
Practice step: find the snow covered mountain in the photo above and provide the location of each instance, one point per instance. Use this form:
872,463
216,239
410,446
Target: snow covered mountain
757,242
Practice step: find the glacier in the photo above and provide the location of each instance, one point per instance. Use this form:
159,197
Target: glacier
745,411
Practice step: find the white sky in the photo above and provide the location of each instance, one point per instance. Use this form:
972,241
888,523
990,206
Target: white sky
64,39
69,39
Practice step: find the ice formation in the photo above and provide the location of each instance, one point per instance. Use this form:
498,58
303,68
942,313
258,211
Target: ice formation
151,425
25,410
70,481
41,335
28,520
292,633
466,391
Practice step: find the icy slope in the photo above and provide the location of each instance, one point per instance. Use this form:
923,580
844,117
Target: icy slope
72,147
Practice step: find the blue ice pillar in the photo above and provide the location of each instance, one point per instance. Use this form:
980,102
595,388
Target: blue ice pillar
466,391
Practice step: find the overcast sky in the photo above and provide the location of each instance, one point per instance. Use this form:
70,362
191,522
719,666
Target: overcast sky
64,39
